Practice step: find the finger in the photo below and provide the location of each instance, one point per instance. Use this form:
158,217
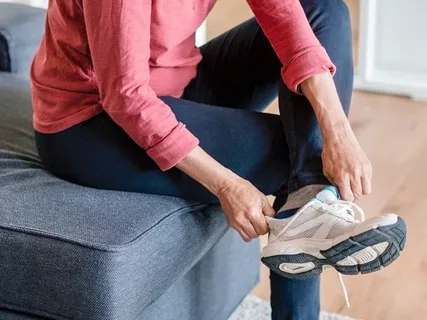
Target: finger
268,210
244,236
366,185
328,177
356,187
243,222
260,224
250,230
261,228
345,189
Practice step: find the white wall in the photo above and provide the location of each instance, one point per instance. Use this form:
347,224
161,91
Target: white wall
402,39
393,47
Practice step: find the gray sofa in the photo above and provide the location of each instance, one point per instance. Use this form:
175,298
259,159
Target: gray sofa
70,252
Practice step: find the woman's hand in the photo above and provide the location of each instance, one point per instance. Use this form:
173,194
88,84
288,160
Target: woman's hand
245,208
346,165
344,162
243,204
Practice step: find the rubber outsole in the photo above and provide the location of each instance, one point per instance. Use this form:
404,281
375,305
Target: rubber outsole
394,234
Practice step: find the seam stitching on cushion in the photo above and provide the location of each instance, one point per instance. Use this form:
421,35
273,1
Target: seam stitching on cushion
37,312
97,245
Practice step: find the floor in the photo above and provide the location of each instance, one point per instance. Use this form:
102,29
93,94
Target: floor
393,133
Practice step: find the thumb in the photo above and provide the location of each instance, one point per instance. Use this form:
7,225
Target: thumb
267,210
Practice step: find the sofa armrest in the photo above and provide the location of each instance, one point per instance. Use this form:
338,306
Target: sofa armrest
21,29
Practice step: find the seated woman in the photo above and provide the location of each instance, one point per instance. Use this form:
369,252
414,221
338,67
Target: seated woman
123,100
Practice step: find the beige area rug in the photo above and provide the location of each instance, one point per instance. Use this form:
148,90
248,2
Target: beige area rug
254,308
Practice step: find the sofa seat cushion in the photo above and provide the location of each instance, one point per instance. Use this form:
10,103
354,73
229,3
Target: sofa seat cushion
108,254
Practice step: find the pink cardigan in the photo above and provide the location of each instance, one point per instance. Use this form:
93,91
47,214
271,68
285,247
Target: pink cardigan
119,55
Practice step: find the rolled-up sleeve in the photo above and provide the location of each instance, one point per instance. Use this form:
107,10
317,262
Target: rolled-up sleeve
118,33
300,52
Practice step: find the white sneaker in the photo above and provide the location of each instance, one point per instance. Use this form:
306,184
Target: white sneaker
325,233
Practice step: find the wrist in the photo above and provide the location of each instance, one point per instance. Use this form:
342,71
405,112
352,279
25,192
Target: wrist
336,133
223,181
321,92
334,125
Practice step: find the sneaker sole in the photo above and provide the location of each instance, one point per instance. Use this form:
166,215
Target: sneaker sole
391,239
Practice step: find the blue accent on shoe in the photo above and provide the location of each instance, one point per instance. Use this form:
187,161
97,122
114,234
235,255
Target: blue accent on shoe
319,199
286,213
334,190
323,196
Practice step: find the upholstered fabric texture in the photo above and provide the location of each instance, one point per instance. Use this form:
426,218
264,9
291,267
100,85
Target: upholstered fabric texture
71,252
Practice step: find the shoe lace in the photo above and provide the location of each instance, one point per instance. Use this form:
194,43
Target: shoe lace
346,210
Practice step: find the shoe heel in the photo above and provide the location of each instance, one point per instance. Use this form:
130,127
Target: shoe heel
298,266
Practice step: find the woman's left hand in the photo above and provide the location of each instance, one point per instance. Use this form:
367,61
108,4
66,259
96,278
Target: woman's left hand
345,164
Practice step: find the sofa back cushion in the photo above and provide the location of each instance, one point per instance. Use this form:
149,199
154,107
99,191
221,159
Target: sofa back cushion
21,30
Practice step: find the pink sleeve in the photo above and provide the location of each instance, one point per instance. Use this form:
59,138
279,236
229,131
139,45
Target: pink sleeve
286,26
118,33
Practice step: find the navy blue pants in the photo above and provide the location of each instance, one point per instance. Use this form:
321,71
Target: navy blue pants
238,77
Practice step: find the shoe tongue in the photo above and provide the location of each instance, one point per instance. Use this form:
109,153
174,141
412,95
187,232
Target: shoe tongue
328,195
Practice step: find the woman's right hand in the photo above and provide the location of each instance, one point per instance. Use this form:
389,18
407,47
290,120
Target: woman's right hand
245,208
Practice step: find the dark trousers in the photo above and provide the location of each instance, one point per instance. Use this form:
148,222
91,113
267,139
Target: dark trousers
238,77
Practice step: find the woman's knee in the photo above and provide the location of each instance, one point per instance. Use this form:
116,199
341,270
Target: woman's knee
330,21
328,16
